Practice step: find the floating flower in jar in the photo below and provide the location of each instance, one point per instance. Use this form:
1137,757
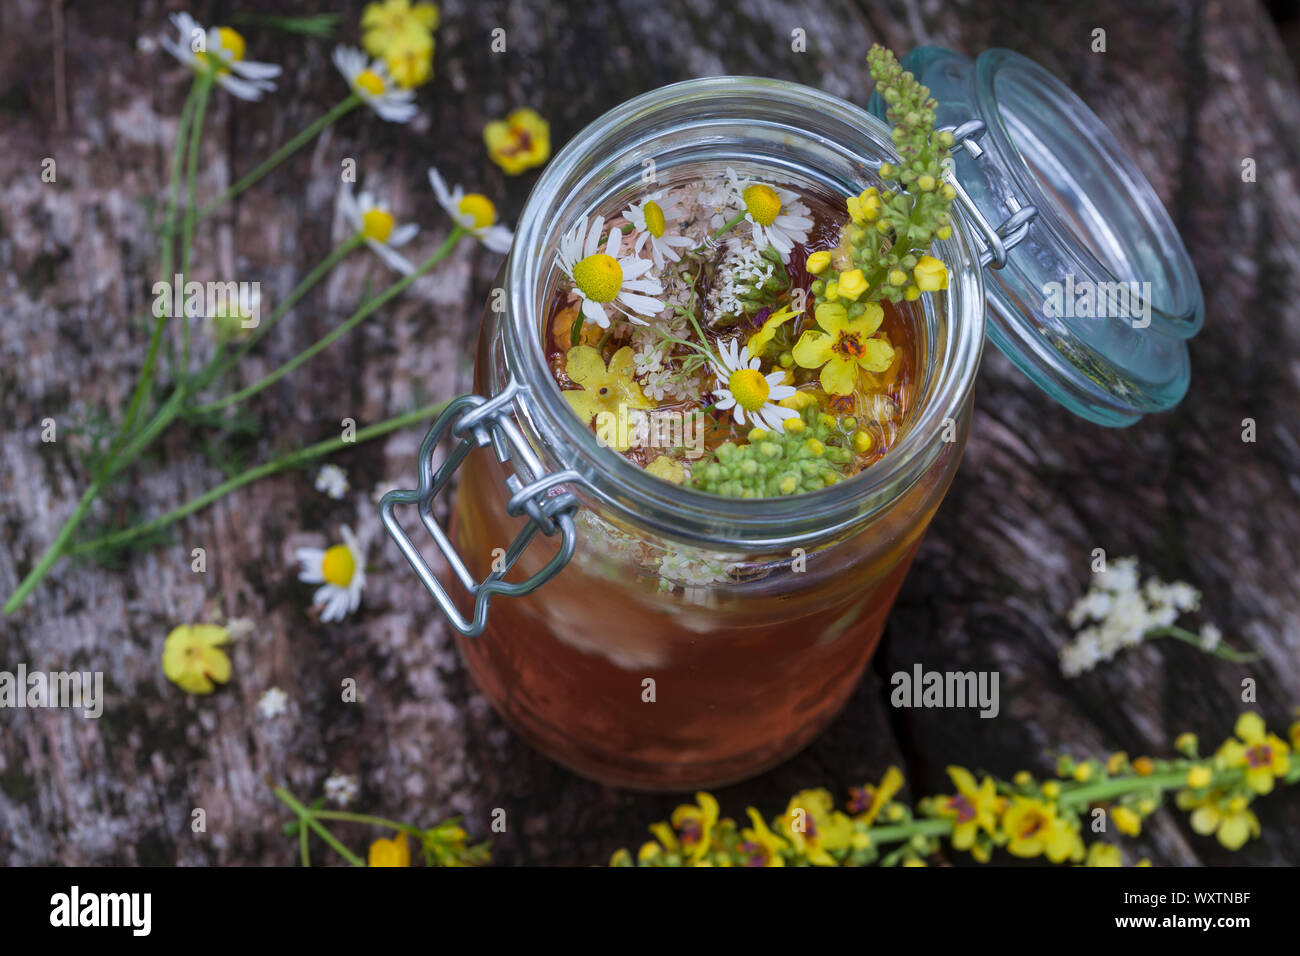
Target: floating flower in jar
605,392
778,218
844,344
650,219
750,395
602,278
222,49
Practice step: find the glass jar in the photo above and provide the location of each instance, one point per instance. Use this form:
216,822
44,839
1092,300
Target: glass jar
682,639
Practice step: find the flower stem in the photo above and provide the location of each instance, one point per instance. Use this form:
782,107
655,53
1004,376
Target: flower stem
283,153
301,289
54,551
205,82
169,225
366,309
308,816
1187,637
282,463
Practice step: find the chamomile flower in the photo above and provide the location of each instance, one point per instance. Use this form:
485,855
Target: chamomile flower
777,216
373,220
750,395
601,278
650,218
223,49
474,211
332,481
375,85
340,572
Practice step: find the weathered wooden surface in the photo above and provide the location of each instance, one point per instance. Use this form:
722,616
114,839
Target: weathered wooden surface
1189,88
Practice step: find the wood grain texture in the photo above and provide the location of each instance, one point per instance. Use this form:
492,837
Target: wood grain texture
1189,88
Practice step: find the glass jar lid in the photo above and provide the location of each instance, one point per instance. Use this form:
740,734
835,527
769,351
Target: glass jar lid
1098,297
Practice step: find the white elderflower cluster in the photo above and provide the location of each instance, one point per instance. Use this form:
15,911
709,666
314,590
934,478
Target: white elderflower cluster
1118,611
743,270
691,570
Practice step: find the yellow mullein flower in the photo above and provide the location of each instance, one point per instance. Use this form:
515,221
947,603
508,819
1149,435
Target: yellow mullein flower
866,207
394,852
867,802
843,345
760,339
1104,854
1229,819
814,827
930,274
520,141
973,808
1264,755
192,657
603,390
817,262
694,825
410,60
621,858
1126,821
1199,776
385,23
761,846
668,469
1033,829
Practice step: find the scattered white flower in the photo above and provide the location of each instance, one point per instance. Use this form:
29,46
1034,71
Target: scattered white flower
340,572
601,278
650,218
1210,636
223,48
239,628
332,480
373,220
375,85
474,211
341,788
273,703
744,390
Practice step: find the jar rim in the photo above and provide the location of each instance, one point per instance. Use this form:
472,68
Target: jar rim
955,321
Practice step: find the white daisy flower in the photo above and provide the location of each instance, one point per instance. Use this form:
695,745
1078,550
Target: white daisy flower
223,48
341,788
474,211
602,278
778,218
375,222
743,388
273,703
332,480
650,218
375,85
340,570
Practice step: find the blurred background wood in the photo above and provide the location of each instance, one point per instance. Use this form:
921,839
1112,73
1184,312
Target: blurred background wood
1191,88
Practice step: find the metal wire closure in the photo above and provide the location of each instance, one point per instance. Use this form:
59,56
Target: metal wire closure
477,422
995,240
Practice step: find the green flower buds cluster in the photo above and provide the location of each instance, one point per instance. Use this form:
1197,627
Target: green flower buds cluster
892,228
813,452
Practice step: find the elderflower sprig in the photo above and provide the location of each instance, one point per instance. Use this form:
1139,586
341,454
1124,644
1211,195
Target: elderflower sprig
1024,817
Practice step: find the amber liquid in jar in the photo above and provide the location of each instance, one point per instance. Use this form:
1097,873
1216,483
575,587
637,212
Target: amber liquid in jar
634,683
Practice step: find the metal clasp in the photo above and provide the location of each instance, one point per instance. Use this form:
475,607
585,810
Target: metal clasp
996,240
476,422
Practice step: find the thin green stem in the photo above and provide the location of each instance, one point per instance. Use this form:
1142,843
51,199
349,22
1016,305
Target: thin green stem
283,153
1187,637
205,81
308,816
300,290
320,449
362,313
302,844
368,819
169,225
54,551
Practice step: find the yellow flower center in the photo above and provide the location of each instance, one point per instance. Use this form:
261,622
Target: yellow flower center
599,276
231,42
762,203
654,219
371,82
338,566
749,388
376,224
479,208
